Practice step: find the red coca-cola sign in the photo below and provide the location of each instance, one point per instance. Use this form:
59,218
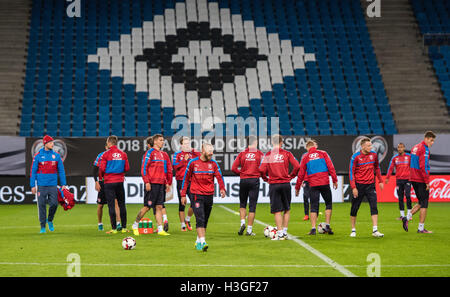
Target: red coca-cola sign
439,190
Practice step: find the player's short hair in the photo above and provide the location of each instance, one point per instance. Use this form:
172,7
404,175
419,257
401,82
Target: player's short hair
205,145
251,139
182,138
277,139
311,143
149,140
429,134
113,139
401,143
364,140
157,136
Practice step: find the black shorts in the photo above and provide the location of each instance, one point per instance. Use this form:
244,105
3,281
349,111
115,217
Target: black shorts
280,197
156,195
101,198
202,206
249,190
403,188
315,193
368,191
422,193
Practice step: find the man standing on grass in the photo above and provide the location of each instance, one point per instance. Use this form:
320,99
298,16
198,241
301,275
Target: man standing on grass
101,198
200,174
275,165
156,171
113,165
401,162
364,167
179,161
420,179
316,165
46,167
246,166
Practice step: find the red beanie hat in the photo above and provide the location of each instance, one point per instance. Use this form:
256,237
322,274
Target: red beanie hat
47,139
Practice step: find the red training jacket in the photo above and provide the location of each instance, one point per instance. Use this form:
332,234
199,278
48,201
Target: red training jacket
180,160
420,163
363,169
249,161
275,165
156,167
200,175
113,165
316,165
401,164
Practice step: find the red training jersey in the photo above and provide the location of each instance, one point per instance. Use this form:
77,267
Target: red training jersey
200,175
364,168
156,167
401,165
248,161
180,160
275,165
113,165
315,167
420,163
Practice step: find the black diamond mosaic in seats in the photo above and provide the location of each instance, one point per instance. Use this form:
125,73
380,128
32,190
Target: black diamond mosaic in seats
160,57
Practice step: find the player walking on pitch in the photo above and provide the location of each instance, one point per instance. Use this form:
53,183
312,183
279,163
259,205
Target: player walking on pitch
101,198
316,165
246,165
364,167
275,165
113,165
156,171
200,173
46,167
420,178
179,161
401,163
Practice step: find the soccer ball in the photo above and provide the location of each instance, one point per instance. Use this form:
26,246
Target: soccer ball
321,228
273,233
267,231
128,243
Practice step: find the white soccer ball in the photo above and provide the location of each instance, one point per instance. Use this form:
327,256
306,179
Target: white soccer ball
321,228
128,243
273,233
267,231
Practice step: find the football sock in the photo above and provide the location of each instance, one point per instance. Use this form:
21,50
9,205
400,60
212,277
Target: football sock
409,215
202,240
183,225
160,228
135,225
188,219
353,229
198,239
285,231
100,224
421,227
242,222
402,213
249,229
164,217
375,228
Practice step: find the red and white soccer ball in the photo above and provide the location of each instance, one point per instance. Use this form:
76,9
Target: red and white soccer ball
128,243
321,228
268,231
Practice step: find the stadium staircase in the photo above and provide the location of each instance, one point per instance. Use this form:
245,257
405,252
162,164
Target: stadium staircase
411,85
14,16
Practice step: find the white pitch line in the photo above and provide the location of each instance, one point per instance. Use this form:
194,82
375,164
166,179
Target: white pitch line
317,253
219,265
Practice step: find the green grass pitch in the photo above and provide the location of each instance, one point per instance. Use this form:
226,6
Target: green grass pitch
25,252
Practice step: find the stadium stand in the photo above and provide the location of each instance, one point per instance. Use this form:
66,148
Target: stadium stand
434,21
411,85
13,45
130,67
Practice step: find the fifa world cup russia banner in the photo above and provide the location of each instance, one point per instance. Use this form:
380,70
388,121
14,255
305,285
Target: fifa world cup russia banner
439,190
79,154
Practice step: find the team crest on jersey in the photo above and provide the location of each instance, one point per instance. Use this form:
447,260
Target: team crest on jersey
371,157
250,156
278,157
116,155
53,156
314,156
209,166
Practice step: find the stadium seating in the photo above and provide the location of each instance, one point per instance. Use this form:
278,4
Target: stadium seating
433,17
132,67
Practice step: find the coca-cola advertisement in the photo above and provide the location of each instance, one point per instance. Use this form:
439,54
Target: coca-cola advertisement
439,190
